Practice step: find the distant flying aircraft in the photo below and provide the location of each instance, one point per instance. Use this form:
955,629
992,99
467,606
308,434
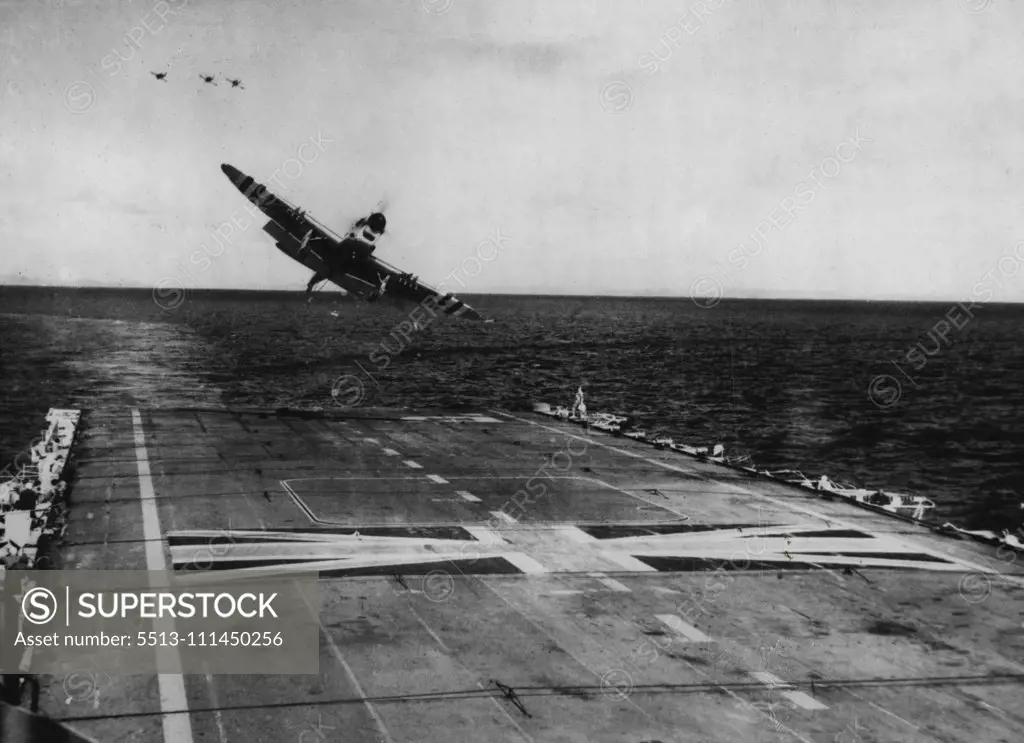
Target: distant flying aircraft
236,83
159,75
207,78
346,261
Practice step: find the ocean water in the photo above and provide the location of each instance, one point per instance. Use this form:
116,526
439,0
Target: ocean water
824,387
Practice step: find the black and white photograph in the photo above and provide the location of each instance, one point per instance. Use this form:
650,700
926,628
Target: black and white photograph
511,371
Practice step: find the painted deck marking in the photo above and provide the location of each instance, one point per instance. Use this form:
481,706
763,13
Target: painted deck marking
371,441
336,652
218,717
487,536
799,698
502,516
515,724
525,563
611,583
576,534
177,725
299,502
628,562
681,628
968,565
470,418
411,463
389,452
438,479
431,632
466,495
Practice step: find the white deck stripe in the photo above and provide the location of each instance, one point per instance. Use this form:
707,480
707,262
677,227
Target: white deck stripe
431,632
371,441
438,479
801,699
968,565
351,676
798,698
486,536
502,516
177,725
465,494
525,563
218,717
526,735
684,629
411,463
628,562
613,584
576,534
389,452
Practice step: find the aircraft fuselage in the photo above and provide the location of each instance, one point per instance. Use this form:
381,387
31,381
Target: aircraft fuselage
356,247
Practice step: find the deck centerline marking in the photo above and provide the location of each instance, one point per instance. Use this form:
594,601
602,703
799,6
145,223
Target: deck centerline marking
792,507
438,479
430,631
466,495
412,464
176,722
390,452
336,652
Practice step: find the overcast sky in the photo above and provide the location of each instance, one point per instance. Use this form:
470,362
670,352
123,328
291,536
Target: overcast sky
619,147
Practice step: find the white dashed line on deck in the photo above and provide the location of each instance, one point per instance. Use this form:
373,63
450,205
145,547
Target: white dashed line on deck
611,583
438,479
466,495
410,463
799,698
683,629
371,441
389,452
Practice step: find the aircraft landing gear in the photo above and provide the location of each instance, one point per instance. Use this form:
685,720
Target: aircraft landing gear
311,286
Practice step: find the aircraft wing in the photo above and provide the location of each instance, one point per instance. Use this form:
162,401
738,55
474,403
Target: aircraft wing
403,288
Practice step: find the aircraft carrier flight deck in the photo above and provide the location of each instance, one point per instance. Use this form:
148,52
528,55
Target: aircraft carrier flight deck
616,592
